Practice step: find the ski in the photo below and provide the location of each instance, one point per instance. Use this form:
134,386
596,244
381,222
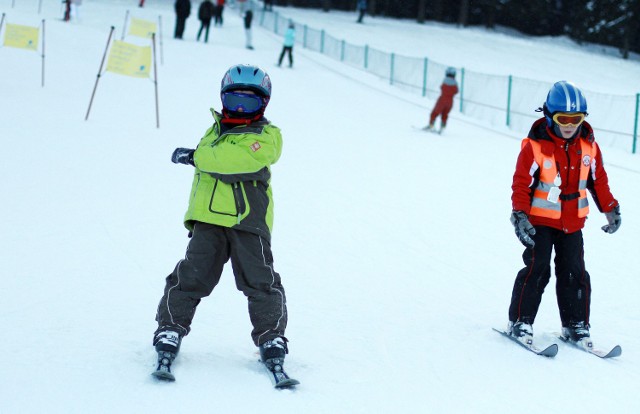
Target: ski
163,371
279,377
550,351
427,129
587,346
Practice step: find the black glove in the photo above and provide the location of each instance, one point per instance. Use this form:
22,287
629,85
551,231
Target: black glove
524,229
182,156
614,219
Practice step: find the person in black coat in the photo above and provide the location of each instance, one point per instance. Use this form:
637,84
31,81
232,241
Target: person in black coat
248,17
205,13
183,10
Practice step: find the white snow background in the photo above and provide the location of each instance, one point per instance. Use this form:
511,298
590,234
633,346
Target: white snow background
394,245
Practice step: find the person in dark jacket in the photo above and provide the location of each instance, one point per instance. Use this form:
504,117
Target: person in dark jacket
248,17
183,11
205,13
558,162
362,9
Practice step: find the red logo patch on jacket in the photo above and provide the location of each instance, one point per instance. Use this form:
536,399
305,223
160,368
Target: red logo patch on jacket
255,146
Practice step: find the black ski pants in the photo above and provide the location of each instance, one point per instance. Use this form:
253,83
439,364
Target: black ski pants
199,272
204,25
288,50
180,25
573,284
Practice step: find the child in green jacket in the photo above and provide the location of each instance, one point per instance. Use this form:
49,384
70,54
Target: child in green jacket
230,216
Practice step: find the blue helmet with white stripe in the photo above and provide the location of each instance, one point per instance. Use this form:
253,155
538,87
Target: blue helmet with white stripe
564,96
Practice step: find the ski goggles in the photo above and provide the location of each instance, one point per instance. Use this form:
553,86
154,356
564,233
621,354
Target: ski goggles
566,119
242,102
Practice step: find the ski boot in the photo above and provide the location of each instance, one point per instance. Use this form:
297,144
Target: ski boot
167,344
576,332
523,332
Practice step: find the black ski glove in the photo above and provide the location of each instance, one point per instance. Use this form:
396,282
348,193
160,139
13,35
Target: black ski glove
182,156
524,229
614,219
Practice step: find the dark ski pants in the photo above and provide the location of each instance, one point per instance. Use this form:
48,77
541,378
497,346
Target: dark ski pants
573,285
204,26
288,50
199,272
180,25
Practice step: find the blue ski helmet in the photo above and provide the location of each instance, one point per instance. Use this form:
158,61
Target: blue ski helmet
247,77
451,71
564,96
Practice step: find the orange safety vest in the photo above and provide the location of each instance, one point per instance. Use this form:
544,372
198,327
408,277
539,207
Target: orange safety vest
546,205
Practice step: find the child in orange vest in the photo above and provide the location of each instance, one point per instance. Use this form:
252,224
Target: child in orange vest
558,162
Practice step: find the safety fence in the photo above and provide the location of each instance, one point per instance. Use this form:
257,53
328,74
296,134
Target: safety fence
500,100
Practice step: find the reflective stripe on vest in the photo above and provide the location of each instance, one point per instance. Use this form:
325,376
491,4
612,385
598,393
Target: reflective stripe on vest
540,205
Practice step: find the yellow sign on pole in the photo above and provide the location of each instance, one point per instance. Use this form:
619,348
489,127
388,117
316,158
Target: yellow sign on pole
142,28
22,37
129,60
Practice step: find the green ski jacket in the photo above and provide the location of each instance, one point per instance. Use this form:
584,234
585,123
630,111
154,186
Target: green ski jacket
231,184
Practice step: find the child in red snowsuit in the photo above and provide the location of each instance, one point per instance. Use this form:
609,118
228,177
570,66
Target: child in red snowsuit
449,89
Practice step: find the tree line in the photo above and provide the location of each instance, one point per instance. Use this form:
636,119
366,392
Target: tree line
613,23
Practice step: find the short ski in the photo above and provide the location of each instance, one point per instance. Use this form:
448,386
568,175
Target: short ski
550,351
163,371
587,346
279,377
426,129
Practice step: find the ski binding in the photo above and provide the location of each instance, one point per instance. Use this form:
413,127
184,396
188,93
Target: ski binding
586,344
550,351
163,371
278,375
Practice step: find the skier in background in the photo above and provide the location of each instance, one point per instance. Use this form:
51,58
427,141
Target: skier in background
230,216
218,13
67,10
248,18
362,9
205,13
448,90
183,10
558,162
287,46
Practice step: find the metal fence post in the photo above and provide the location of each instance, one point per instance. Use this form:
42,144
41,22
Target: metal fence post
424,77
304,37
635,124
366,56
461,90
393,58
509,102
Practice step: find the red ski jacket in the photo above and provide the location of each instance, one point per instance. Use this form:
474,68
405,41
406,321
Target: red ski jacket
447,92
569,160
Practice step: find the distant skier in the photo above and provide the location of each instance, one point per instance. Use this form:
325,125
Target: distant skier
217,14
448,90
361,5
287,46
205,13
558,162
183,10
248,18
230,217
